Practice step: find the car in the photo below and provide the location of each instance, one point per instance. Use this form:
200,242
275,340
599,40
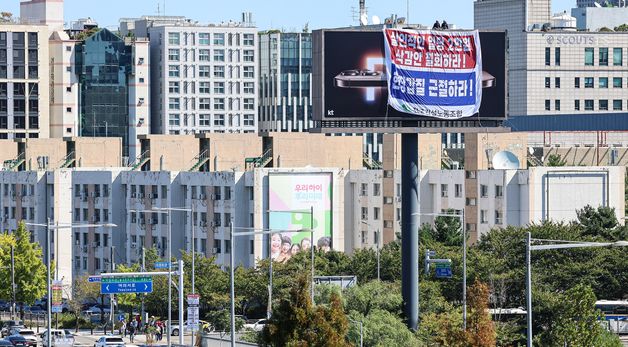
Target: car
257,325
5,343
28,334
59,337
96,309
10,324
109,341
20,341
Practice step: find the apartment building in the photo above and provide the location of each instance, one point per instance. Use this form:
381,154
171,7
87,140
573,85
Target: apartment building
207,77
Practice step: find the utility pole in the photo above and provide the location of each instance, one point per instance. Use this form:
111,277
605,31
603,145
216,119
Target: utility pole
231,279
193,264
181,295
377,248
312,249
49,294
13,313
112,297
143,295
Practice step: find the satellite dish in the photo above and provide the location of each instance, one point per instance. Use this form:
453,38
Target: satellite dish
505,160
376,20
364,19
531,150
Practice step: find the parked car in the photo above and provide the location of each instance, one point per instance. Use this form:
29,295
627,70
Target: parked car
28,334
109,341
97,308
20,341
257,325
58,337
10,324
5,343
202,325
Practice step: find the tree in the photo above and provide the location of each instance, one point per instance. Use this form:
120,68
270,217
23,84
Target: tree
380,328
555,160
82,291
623,27
600,222
374,295
6,16
297,322
480,329
221,321
30,271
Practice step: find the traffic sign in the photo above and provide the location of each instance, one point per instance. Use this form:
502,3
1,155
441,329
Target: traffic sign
193,317
193,299
126,287
120,317
443,272
162,264
127,279
93,279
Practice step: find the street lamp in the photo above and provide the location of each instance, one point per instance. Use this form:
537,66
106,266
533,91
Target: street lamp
562,245
361,330
48,277
377,234
464,259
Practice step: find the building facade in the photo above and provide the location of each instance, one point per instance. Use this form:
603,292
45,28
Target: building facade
285,65
24,87
207,78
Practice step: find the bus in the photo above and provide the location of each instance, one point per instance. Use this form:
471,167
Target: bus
615,315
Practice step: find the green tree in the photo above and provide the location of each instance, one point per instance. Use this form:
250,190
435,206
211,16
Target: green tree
82,292
600,222
554,160
380,328
30,271
297,322
374,295
623,27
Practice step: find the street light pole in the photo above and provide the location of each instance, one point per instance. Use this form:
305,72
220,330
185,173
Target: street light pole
528,292
170,282
231,279
48,279
377,248
193,263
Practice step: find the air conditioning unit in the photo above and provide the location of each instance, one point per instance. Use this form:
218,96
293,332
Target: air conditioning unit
140,195
77,242
214,250
397,198
202,196
92,194
133,245
212,197
154,221
204,223
133,195
84,249
212,224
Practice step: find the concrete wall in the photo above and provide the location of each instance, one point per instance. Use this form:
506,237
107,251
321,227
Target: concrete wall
97,151
477,144
317,150
228,151
8,150
430,151
54,149
588,155
178,151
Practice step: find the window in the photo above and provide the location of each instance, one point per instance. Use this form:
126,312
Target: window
173,71
617,56
499,191
557,56
588,56
219,71
458,190
547,105
219,104
576,82
470,202
173,87
219,120
483,216
443,191
376,213
219,55
173,54
547,82
219,87
204,103
249,88
547,56
203,55
219,39
498,217
227,193
174,119
556,82
603,82
588,105
249,55
588,82
603,105
217,219
617,82
365,213
364,189
470,174
557,105
483,191
204,71
204,120
174,104
249,72
249,104
376,189
203,39
617,105
248,39
204,87
217,193
576,105
249,120
173,38
603,58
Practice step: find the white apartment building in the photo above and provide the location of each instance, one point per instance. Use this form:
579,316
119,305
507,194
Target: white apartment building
207,77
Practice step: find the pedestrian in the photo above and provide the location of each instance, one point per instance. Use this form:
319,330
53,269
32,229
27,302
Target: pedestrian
436,26
444,26
132,331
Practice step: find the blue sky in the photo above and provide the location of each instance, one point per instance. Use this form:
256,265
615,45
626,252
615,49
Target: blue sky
277,14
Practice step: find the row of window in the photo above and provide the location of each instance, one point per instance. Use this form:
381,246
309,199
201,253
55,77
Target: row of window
11,189
82,190
589,56
589,105
589,82
499,217
82,215
364,189
248,55
174,87
204,71
484,191
149,191
217,39
27,213
365,213
174,119
206,104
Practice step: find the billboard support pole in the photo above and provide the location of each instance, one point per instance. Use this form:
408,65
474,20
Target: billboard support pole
312,249
410,227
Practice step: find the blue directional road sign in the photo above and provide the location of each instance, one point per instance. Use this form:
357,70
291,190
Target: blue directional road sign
93,279
443,272
161,264
121,285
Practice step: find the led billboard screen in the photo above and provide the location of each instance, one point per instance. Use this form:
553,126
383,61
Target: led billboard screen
290,198
351,81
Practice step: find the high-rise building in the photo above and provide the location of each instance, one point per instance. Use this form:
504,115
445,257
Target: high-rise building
23,80
601,3
285,90
207,75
